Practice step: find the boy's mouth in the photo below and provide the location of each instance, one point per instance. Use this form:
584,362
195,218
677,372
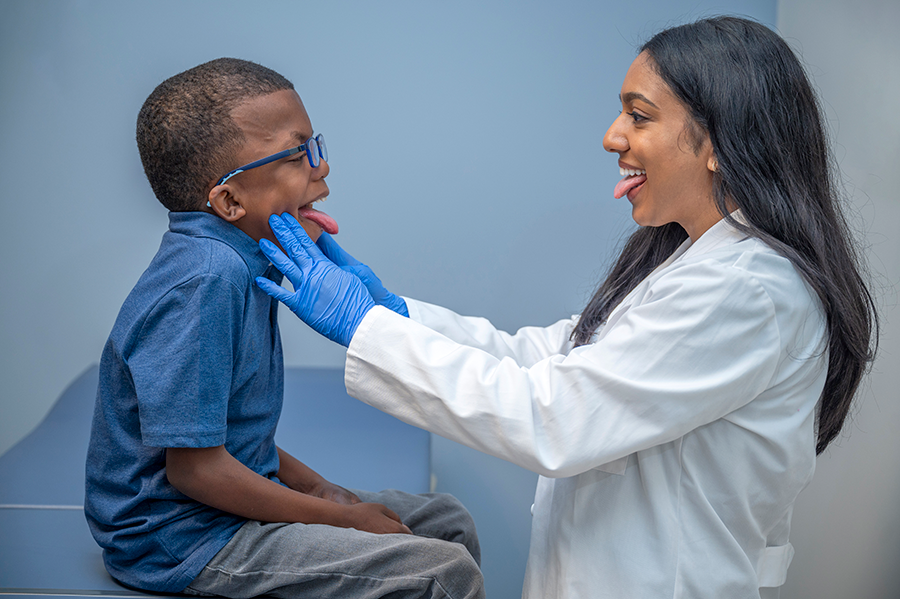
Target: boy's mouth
328,224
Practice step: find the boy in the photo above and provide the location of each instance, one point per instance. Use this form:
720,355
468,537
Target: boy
185,488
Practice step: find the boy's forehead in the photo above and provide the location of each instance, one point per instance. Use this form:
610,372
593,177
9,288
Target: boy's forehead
276,119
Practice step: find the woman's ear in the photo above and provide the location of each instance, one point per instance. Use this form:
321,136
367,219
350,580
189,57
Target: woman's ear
223,202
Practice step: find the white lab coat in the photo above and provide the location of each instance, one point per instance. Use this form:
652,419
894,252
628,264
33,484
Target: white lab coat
671,449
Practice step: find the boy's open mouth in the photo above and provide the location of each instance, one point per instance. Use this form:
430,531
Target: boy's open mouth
328,224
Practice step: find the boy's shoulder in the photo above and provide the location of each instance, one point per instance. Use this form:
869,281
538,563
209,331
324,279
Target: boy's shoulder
203,265
198,244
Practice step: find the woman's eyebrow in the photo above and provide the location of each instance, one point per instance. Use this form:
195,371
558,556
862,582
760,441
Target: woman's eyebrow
630,97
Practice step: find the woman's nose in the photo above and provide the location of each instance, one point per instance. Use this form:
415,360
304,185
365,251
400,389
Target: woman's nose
615,139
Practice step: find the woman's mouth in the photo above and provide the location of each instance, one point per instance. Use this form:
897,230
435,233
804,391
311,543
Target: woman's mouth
631,182
327,224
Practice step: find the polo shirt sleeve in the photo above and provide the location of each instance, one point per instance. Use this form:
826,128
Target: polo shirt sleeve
183,362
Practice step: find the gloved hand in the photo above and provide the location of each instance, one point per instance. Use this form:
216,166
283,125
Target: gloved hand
382,296
330,300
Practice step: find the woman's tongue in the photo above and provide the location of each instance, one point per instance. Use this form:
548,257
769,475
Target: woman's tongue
327,223
627,184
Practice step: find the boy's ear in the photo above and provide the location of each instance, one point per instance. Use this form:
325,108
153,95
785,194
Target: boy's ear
222,201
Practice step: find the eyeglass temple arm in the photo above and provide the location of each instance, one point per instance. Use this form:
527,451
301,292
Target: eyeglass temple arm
260,162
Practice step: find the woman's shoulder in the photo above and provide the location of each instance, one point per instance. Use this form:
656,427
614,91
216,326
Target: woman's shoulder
753,271
751,257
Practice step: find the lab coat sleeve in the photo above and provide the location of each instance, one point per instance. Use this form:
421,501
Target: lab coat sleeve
703,342
528,346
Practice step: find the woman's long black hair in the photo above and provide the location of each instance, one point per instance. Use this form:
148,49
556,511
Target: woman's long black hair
745,87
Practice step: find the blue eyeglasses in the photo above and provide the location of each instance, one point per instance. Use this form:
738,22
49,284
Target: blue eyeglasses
315,152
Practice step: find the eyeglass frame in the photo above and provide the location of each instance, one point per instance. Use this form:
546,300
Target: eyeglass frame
314,158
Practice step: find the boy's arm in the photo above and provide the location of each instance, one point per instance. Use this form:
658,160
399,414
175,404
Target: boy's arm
213,476
304,479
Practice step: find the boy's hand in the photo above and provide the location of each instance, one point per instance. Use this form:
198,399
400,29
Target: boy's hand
334,493
382,296
376,518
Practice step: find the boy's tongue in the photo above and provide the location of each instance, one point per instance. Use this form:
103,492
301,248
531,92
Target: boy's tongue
327,223
627,184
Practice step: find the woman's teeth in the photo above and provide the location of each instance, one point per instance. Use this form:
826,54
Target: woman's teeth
627,172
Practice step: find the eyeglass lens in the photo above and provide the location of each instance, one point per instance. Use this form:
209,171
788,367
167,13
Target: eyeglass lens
316,150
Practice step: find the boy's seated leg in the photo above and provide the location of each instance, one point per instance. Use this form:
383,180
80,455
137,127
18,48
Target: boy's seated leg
318,561
435,515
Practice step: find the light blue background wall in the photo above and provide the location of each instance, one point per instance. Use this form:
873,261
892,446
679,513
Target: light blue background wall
496,198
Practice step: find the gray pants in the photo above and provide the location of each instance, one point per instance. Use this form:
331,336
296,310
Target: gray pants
298,560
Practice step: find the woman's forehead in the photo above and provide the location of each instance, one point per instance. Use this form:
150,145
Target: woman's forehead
643,83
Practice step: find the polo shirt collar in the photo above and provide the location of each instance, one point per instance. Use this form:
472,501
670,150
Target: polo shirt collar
203,224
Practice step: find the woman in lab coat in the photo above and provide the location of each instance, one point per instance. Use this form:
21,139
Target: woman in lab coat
675,421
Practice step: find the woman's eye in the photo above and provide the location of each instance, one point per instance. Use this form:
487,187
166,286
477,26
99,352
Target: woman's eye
636,117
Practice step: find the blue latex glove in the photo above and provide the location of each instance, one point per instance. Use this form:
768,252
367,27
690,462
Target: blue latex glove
330,300
382,296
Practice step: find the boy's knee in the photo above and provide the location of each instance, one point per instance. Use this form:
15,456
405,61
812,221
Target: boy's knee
459,576
459,523
449,503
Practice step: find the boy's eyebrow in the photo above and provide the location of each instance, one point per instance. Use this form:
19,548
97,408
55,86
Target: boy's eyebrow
629,97
300,137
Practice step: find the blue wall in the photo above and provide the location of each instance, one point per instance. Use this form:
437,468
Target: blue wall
466,168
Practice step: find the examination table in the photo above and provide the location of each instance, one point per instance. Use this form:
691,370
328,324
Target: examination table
46,548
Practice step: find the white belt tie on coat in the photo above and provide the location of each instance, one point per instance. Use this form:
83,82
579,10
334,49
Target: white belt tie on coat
773,567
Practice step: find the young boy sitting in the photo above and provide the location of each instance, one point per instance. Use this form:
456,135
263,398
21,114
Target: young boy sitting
186,490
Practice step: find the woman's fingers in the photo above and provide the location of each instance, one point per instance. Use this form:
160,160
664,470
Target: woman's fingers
289,268
297,231
276,291
334,252
290,240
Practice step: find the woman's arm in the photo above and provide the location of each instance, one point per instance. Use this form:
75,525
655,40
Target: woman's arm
704,341
214,477
527,346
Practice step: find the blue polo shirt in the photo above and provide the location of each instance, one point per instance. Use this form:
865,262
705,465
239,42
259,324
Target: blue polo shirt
194,360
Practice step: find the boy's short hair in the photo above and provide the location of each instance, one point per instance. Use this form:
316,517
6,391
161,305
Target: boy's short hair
185,133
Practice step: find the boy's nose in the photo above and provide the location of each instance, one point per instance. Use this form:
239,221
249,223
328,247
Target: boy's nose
615,140
322,170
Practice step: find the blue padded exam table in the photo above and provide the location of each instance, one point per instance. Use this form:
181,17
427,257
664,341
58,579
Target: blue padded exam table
46,548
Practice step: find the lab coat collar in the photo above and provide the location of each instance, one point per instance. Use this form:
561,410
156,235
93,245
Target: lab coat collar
720,234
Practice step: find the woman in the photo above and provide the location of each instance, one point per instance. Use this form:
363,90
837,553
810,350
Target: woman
677,419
